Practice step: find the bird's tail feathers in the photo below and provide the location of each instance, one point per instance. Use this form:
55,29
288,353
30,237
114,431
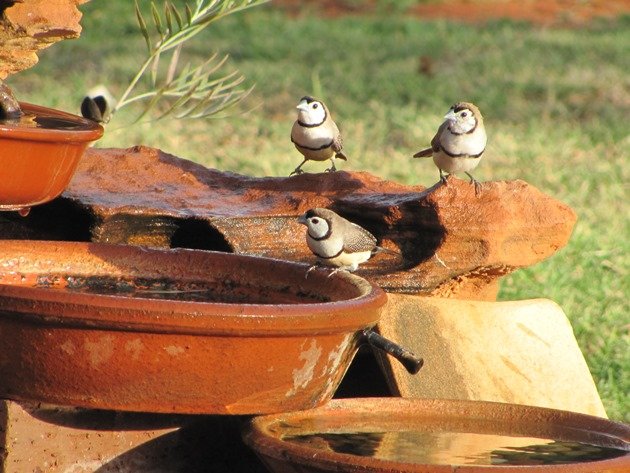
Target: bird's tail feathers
380,249
424,153
340,155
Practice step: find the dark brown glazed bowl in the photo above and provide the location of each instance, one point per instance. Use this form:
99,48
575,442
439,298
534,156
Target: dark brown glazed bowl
37,162
394,416
270,341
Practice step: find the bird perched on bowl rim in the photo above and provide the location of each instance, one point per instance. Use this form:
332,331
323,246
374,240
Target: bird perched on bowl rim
98,103
337,242
315,134
459,142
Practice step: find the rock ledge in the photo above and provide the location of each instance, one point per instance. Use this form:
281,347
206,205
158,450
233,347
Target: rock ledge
452,242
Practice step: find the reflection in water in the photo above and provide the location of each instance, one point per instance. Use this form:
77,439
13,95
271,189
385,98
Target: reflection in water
30,120
224,291
456,448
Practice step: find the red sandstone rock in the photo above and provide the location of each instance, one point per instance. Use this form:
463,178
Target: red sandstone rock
30,25
452,242
489,351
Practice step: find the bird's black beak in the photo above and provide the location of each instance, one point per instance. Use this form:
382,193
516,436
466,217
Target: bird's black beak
302,219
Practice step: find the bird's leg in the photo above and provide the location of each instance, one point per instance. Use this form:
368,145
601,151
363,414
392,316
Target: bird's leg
443,178
308,271
298,170
332,168
336,270
475,182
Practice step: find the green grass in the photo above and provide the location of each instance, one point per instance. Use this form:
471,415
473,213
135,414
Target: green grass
556,104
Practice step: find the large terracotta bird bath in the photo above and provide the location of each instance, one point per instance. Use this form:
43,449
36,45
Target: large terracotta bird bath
39,153
174,331
396,435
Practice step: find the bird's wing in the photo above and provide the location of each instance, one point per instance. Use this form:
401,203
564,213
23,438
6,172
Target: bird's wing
357,239
435,144
337,143
293,131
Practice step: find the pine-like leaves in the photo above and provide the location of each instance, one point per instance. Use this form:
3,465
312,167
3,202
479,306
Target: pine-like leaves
182,91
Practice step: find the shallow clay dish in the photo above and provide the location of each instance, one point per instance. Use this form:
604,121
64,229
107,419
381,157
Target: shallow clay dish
40,153
437,436
178,331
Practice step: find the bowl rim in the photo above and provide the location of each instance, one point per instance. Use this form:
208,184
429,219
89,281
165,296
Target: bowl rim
44,306
263,433
89,131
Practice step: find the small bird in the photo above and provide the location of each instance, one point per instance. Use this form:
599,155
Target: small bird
459,142
97,104
315,134
337,242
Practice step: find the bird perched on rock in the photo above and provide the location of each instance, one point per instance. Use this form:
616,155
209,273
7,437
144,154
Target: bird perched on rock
459,142
337,242
315,134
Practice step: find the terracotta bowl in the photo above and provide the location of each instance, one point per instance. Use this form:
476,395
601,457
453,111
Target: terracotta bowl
174,331
388,435
39,155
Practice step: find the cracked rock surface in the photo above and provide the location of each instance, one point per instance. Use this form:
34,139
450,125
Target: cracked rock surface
27,26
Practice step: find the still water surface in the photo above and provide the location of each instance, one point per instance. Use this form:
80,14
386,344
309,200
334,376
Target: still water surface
456,448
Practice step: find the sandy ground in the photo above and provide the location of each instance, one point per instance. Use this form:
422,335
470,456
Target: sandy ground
543,12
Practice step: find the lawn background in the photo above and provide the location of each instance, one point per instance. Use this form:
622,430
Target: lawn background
556,103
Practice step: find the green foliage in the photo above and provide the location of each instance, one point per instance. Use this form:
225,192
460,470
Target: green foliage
189,91
555,101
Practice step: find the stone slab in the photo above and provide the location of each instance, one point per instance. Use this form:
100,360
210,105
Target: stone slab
521,352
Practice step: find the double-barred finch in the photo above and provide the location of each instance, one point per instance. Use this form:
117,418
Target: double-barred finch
459,142
337,242
315,134
97,104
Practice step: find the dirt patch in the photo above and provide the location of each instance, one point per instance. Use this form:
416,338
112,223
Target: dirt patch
542,12
545,12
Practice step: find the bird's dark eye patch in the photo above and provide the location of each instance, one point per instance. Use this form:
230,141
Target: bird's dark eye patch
463,114
314,221
315,106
